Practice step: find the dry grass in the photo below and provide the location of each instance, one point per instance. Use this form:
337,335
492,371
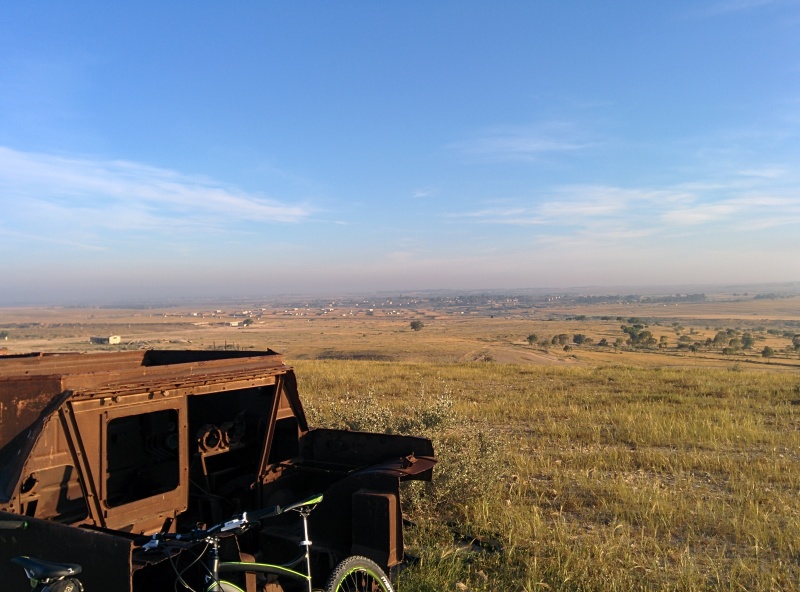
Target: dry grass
600,478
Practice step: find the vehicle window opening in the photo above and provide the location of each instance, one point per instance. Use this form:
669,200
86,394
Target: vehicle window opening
142,456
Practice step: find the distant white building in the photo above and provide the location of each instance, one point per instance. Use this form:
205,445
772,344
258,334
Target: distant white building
110,340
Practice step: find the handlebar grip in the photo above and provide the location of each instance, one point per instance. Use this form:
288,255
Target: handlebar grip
268,512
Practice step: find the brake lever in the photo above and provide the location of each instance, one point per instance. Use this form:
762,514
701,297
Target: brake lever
152,545
234,524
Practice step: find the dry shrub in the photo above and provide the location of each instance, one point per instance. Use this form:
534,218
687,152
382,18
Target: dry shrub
469,460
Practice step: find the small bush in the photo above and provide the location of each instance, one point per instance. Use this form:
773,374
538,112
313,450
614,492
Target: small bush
469,461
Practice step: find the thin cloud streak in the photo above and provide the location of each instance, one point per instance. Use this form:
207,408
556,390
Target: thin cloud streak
125,194
615,213
515,144
49,239
514,216
729,6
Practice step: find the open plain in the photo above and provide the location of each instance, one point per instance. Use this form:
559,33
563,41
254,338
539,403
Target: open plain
639,444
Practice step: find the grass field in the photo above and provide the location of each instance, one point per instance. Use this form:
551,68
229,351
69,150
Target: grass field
594,468
590,478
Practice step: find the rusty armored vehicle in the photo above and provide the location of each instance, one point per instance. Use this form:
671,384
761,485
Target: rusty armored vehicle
100,450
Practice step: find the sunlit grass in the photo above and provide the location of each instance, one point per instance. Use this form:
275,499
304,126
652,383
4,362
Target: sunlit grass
606,478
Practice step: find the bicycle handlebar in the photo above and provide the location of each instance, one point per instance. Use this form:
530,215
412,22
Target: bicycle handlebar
238,522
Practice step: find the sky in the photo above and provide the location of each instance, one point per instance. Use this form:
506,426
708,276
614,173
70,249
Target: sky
153,150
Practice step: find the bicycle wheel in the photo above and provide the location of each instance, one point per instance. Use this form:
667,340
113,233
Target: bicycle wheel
358,574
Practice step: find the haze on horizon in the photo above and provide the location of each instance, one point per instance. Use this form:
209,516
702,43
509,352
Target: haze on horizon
217,150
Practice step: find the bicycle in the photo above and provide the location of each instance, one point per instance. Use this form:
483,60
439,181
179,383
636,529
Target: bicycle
354,574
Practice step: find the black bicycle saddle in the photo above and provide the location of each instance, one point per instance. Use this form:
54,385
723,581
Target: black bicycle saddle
43,570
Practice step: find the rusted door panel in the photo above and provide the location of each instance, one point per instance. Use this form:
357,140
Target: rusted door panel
137,456
51,487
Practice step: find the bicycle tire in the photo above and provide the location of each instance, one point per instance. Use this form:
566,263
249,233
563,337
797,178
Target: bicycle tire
358,574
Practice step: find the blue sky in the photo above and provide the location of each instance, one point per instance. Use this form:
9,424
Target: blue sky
155,150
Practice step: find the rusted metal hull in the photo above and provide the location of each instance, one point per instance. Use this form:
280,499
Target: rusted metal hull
98,448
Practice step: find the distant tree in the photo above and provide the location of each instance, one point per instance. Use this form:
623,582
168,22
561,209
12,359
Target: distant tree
694,348
560,339
416,325
567,348
767,352
720,339
603,342
662,341
578,338
747,341
247,322
735,344
532,338
619,342
796,342
639,336
3,334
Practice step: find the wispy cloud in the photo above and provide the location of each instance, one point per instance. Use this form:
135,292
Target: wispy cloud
513,216
604,214
764,172
121,195
522,143
700,214
572,205
731,6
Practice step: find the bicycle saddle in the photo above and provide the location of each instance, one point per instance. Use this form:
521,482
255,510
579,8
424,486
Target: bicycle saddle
37,569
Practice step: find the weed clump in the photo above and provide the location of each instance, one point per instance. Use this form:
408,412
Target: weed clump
469,460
